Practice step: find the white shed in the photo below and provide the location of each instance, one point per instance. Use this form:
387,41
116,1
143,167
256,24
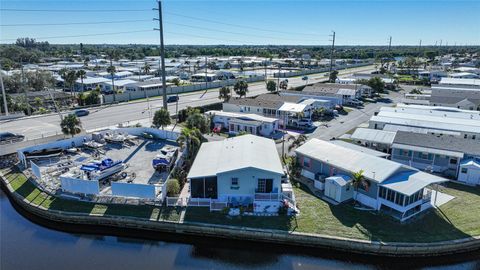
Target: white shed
470,172
338,188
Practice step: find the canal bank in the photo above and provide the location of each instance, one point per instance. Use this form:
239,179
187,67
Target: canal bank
249,234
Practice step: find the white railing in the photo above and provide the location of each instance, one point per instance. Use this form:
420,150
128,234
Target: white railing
217,205
267,196
176,201
199,202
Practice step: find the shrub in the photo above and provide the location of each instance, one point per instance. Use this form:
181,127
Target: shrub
173,187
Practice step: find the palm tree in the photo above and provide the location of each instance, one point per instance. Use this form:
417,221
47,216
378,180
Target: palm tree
146,68
111,69
82,75
271,86
71,77
301,139
190,138
161,118
71,125
241,88
357,180
224,93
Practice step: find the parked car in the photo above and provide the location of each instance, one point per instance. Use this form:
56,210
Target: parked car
302,123
171,99
10,137
81,112
355,102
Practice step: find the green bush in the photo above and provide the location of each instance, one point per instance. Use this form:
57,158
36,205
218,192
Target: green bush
173,187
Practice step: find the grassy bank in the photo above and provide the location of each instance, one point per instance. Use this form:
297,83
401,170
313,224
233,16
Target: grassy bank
454,220
29,191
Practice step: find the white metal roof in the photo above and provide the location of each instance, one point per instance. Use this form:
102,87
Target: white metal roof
374,168
449,124
91,80
247,151
410,182
121,82
459,81
341,180
292,107
374,135
396,128
251,116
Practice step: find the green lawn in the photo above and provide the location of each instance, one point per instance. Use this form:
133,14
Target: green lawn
458,218
28,190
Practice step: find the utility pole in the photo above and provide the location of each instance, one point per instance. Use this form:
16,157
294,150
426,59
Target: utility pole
390,44
206,73
25,89
162,53
332,50
4,95
278,77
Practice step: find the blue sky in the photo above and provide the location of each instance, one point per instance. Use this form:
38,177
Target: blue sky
247,22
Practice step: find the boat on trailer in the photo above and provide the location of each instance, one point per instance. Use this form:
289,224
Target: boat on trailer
93,145
97,170
44,153
115,138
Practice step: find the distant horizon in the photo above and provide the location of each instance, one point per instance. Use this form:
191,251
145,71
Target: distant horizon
262,23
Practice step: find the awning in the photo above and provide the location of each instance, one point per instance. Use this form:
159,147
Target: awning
428,150
410,182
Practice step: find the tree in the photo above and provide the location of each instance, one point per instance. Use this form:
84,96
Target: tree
173,187
227,65
301,139
357,180
241,88
224,93
146,68
377,84
271,86
333,76
71,125
176,81
212,66
38,102
198,121
191,139
283,85
82,75
161,118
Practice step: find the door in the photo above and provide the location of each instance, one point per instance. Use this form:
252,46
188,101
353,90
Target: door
265,185
332,191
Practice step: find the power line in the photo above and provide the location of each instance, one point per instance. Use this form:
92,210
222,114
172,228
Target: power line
72,10
71,23
85,35
237,25
237,33
205,37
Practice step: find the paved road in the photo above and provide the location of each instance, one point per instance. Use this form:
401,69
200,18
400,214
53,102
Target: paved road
345,123
40,126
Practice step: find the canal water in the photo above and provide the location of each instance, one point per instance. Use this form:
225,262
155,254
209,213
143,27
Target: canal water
24,244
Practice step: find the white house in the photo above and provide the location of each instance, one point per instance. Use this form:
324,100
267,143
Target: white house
242,170
391,187
248,122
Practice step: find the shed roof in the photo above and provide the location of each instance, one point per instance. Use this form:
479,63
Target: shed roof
374,135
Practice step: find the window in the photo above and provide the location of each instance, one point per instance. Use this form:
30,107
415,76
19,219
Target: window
453,161
474,137
306,162
464,170
234,181
423,155
465,136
